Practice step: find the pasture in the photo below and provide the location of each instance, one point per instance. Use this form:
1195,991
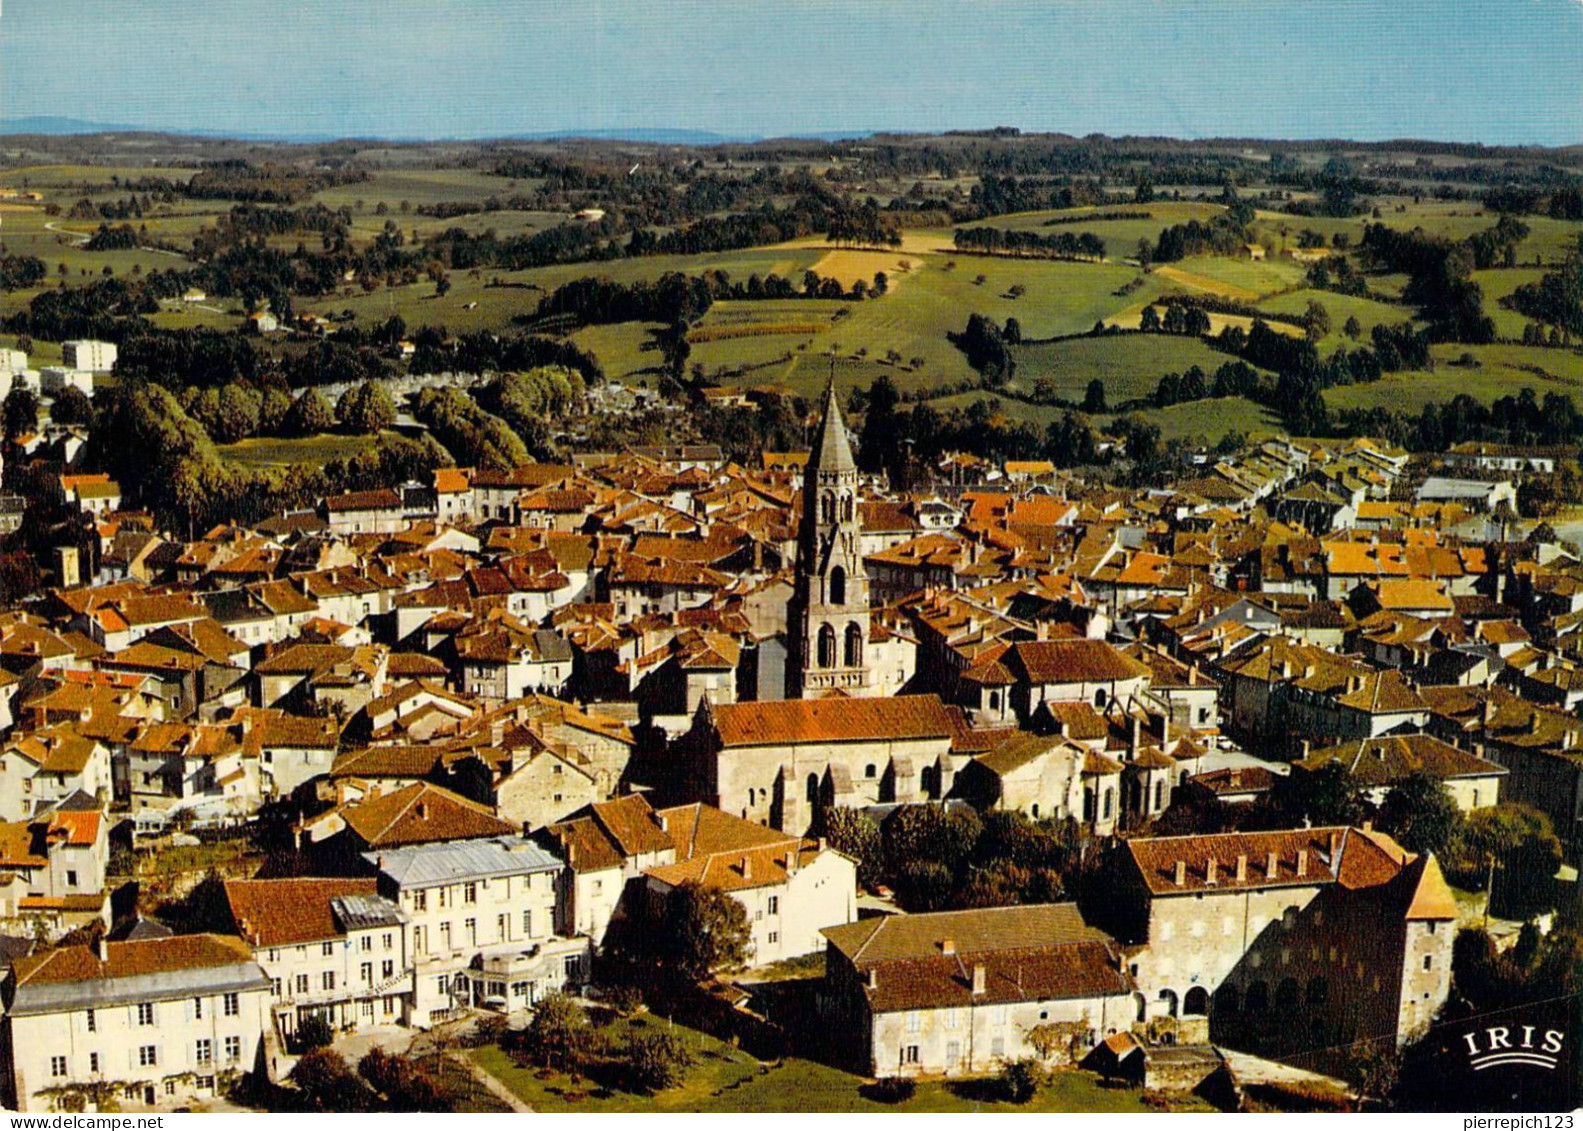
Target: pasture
1504,370
1130,365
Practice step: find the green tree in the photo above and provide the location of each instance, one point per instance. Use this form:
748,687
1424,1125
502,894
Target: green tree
1317,319
1352,328
1020,1080
327,1082
1149,320
309,415
1514,852
1094,397
71,406
1326,796
707,930
366,409
1421,814
656,1059
20,412
559,1035
855,834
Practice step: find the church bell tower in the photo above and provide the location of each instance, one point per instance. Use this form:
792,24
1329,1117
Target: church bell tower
828,618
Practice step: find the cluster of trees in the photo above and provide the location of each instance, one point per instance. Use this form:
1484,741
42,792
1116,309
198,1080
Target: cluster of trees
1232,379
474,438
1557,298
1336,273
1224,234
248,222
1001,195
937,858
864,226
1191,321
1031,244
167,463
382,1081
1561,202
646,1060
268,183
18,271
98,310
121,237
987,347
1440,271
675,297
484,352
1524,419
528,401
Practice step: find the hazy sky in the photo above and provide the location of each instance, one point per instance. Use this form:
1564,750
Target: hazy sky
1467,70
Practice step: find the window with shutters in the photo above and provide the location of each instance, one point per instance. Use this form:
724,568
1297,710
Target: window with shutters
233,1005
233,1049
57,1066
204,1053
145,1013
147,1056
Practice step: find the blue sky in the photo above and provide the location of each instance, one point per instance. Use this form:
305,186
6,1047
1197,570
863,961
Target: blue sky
1494,71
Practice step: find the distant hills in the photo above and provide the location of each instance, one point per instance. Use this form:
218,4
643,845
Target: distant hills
48,126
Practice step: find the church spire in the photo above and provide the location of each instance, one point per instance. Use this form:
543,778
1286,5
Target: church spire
832,449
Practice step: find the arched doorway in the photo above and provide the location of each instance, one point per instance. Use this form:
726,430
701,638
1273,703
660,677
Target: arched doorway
854,646
838,586
1196,1003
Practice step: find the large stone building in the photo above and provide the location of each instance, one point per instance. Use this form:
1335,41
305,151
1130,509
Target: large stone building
960,992
332,948
482,915
828,615
779,763
1286,942
157,1021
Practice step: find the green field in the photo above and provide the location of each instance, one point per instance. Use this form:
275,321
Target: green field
1504,371
272,451
725,1079
1341,307
1130,365
1208,420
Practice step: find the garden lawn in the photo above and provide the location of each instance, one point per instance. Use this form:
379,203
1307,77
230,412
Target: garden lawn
725,1079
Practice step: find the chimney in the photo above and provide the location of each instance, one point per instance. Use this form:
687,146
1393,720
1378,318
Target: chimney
101,949
747,867
1181,873
1211,865
1242,867
1137,734
1335,846
1534,722
979,979
1306,747
423,810
1165,730
1271,864
947,946
664,822
873,977
1302,862
1489,711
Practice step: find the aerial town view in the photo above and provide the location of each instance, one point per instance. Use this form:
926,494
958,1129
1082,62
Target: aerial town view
823,557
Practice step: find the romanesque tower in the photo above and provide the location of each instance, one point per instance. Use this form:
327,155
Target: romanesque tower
828,618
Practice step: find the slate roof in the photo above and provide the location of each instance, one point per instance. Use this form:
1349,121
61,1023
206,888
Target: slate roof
428,865
166,969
